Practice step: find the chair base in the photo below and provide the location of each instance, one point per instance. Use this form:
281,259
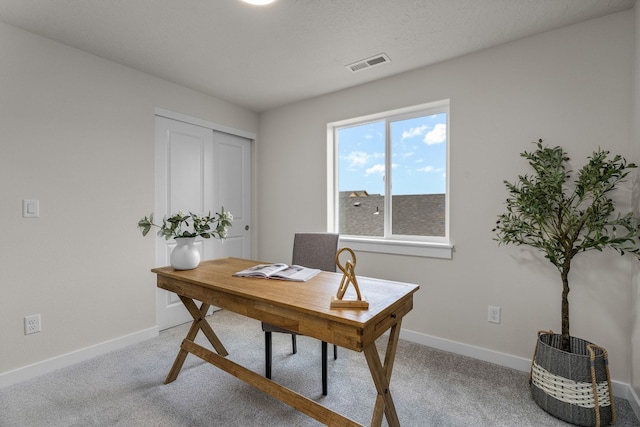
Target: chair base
268,349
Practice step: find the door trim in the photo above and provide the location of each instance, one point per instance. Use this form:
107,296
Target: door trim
204,123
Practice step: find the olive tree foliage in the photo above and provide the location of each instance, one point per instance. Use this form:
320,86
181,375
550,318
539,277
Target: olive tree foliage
562,218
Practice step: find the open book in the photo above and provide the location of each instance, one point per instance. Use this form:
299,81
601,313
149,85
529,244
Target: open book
295,273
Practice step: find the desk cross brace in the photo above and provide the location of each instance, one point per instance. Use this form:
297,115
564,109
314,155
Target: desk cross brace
382,377
199,324
380,373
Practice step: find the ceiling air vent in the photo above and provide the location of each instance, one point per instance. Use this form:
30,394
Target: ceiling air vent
369,62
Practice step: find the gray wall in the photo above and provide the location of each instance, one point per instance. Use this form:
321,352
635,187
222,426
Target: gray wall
571,87
78,134
635,294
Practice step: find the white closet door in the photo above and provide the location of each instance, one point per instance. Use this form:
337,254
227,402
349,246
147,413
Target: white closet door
200,170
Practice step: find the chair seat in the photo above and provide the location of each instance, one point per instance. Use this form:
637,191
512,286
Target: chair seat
267,327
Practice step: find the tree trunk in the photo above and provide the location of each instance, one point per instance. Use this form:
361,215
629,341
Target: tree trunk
565,307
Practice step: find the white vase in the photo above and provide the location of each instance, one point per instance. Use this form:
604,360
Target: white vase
185,256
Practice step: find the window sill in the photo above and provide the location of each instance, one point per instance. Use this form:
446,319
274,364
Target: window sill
399,247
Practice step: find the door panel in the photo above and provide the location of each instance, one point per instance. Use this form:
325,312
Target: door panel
186,159
233,185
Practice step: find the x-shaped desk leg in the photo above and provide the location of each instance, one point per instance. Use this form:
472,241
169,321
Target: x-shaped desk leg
199,324
382,377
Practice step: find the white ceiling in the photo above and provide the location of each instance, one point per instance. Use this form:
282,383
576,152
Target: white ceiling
264,57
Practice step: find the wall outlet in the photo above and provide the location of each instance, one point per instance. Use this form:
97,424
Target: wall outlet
32,324
494,314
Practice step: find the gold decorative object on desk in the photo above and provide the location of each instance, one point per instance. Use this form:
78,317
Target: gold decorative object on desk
349,276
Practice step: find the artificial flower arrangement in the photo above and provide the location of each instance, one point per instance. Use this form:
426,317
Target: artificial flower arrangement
189,225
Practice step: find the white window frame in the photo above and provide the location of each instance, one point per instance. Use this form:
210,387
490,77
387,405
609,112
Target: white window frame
421,246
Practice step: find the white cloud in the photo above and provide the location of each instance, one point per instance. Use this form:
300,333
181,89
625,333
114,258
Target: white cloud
377,169
357,159
430,169
414,132
437,135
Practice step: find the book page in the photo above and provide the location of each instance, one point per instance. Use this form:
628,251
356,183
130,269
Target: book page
296,273
262,270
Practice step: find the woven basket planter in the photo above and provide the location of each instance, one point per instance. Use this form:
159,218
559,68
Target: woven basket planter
573,386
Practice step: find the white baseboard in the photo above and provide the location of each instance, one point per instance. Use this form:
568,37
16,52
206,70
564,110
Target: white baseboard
487,355
622,390
619,389
49,365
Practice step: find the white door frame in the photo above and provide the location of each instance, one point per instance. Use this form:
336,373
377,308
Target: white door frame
204,123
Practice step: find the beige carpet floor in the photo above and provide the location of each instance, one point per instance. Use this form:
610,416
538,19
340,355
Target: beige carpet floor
125,387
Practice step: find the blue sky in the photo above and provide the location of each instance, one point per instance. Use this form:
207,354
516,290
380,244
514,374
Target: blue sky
419,153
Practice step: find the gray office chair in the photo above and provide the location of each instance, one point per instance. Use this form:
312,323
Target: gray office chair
312,250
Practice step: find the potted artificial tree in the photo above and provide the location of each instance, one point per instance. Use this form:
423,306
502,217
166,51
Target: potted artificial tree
562,219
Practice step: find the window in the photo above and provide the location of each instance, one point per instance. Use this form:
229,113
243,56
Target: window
389,181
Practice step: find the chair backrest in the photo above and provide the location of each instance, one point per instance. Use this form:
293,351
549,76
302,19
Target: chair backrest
316,250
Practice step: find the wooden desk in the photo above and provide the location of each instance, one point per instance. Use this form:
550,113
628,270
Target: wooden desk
299,307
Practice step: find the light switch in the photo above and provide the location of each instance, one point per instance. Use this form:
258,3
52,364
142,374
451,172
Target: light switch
30,208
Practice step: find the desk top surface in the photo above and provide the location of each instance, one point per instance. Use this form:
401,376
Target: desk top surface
311,297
